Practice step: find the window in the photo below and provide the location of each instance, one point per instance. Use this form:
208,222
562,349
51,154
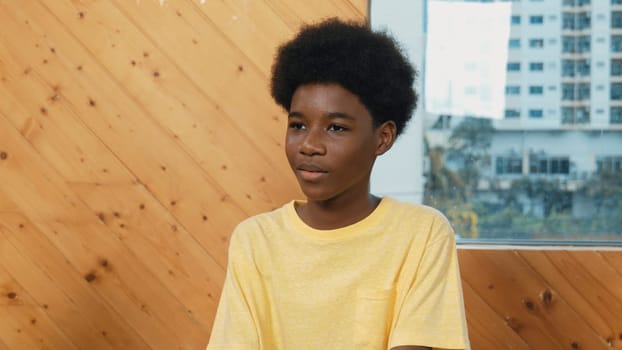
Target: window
609,165
567,92
535,113
513,67
616,67
568,21
568,68
568,44
616,19
536,19
512,113
508,165
512,90
583,21
583,67
616,91
583,44
583,91
579,115
543,164
515,20
533,174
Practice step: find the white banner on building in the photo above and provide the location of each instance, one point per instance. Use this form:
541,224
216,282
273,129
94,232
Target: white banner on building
466,58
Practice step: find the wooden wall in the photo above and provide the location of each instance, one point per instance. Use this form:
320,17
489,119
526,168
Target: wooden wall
134,135
543,299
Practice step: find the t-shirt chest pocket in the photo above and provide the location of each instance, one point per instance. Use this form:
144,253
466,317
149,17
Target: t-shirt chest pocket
372,318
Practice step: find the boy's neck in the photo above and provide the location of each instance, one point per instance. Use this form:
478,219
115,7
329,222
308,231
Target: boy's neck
338,212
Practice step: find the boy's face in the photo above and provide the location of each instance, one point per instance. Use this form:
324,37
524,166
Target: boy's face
331,143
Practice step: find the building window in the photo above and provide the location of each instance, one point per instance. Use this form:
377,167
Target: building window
536,19
515,20
513,66
616,43
567,92
616,19
616,67
542,164
568,44
536,66
583,21
615,115
512,90
508,165
512,113
535,113
583,44
616,91
583,91
536,43
568,21
609,165
579,115
568,68
583,68
536,90
514,43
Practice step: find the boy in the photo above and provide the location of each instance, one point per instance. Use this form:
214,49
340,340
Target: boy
342,269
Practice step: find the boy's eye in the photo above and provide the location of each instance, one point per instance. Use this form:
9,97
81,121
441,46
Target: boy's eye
296,126
335,127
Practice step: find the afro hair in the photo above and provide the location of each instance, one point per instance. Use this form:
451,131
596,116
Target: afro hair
369,64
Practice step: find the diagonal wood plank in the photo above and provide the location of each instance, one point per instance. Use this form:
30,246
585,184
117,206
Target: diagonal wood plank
62,291
515,289
573,294
24,325
123,281
117,125
487,330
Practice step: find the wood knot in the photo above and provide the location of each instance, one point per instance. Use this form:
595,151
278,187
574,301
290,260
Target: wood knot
11,295
141,206
92,102
204,217
575,345
81,15
90,277
3,155
240,68
104,262
513,323
546,297
529,304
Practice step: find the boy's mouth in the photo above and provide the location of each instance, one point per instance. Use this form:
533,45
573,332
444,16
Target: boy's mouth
310,172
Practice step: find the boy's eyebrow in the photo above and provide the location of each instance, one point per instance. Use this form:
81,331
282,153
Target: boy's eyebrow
330,115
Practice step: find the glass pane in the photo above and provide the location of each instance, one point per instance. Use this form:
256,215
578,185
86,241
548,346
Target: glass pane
548,165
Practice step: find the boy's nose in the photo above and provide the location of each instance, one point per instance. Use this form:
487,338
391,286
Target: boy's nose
313,144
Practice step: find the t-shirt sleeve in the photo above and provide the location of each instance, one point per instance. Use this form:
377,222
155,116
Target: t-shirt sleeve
234,326
431,311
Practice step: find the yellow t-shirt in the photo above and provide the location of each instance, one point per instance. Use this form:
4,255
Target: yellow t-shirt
390,279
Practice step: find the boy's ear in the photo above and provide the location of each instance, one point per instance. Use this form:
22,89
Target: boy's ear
386,133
